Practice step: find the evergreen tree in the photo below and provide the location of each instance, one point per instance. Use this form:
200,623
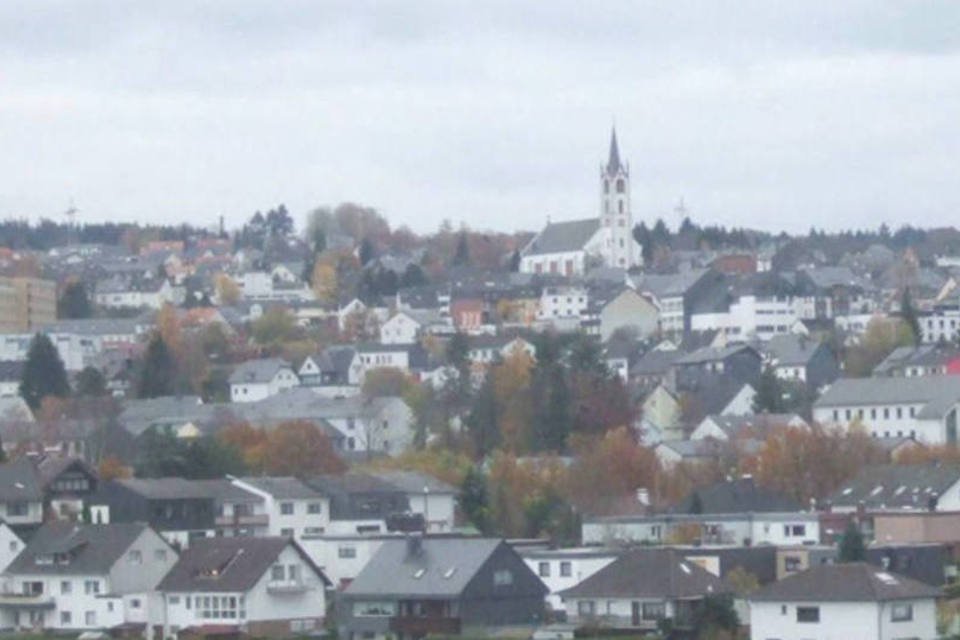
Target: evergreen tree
769,397
43,373
461,257
90,382
909,314
852,548
74,302
474,499
643,237
366,253
482,423
413,276
158,373
515,261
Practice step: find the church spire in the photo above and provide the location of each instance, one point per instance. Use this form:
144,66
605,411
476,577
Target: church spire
613,164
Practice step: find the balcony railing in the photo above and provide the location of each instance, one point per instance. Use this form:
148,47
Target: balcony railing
288,586
425,625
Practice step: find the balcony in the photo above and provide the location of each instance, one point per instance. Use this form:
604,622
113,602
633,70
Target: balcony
250,520
419,626
26,601
288,586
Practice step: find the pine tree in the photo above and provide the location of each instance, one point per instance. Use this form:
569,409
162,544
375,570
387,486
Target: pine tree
515,261
482,423
909,314
461,257
43,373
158,374
74,302
90,382
475,500
852,548
769,396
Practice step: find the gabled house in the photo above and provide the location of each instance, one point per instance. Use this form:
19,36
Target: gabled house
261,587
736,427
369,356
921,360
258,379
560,569
21,495
900,487
420,586
82,577
435,500
359,503
238,512
291,508
67,483
328,372
802,359
406,326
627,309
737,361
180,510
640,590
852,600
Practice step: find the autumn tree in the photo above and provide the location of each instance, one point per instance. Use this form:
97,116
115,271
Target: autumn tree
385,382
112,468
909,314
474,500
323,280
43,373
227,290
298,447
607,473
275,326
881,337
248,440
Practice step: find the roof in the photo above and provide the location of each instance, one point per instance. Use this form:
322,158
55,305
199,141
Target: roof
613,162
51,467
648,573
850,582
416,482
559,237
442,567
165,488
223,490
755,424
93,548
283,488
258,371
736,496
790,349
228,564
15,408
936,393
11,370
891,486
19,480
669,285
713,354
924,355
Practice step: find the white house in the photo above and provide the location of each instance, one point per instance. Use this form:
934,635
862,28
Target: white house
376,356
435,500
10,546
80,577
258,379
402,328
262,587
924,408
844,601
562,569
21,494
563,302
292,508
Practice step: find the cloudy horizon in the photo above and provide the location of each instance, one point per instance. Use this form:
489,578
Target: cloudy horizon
778,116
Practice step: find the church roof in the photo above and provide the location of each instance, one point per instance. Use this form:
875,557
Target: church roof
613,163
558,237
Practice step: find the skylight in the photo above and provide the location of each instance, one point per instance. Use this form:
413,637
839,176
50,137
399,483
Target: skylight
419,574
848,491
685,568
877,489
449,572
886,578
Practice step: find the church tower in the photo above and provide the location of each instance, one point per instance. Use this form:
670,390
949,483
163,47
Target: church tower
619,247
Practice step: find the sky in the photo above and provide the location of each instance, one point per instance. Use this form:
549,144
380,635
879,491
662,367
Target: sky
766,114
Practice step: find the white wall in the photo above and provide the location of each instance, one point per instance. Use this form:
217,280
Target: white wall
841,621
341,557
578,568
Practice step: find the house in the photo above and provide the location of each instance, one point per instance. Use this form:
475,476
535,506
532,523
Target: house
802,359
10,545
258,379
67,483
180,510
362,504
627,309
563,302
639,590
435,500
736,427
758,306
291,507
264,587
560,569
81,577
702,451
369,356
924,408
11,371
328,372
733,512
844,601
920,360
406,326
674,295
485,350
448,586
736,360
21,495
900,487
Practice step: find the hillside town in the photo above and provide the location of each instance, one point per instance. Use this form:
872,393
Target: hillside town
323,425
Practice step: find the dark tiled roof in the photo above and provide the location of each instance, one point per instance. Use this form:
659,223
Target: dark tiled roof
648,573
19,480
558,237
852,582
94,548
736,496
909,486
228,564
288,488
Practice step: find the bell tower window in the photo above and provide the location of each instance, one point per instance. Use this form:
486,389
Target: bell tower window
606,186
620,206
620,185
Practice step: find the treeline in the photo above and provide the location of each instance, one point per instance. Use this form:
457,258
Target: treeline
47,234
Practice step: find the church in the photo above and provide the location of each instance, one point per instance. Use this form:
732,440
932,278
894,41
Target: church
572,248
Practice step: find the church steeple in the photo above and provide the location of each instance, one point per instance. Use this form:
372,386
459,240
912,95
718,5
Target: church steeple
613,163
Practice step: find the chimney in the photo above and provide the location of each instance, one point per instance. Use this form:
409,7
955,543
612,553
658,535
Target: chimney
414,545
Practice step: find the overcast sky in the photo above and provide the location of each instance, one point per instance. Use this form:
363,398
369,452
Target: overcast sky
777,115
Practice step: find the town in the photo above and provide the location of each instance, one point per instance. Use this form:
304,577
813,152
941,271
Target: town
328,426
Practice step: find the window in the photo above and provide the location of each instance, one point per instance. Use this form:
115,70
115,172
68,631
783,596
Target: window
17,508
543,569
901,613
808,614
277,572
620,185
794,530
654,610
502,577
286,532
135,557
374,609
135,603
66,587
90,618
566,569
174,600
160,555
313,531
314,508
66,618
586,608
791,564
286,508
14,545
347,552
91,587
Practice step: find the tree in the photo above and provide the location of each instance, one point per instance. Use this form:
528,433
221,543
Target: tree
298,447
90,382
608,470
909,314
474,501
43,373
367,252
413,276
158,371
323,280
112,468
227,290
514,264
769,396
461,256
715,616
852,548
482,421
275,326
74,302
384,382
